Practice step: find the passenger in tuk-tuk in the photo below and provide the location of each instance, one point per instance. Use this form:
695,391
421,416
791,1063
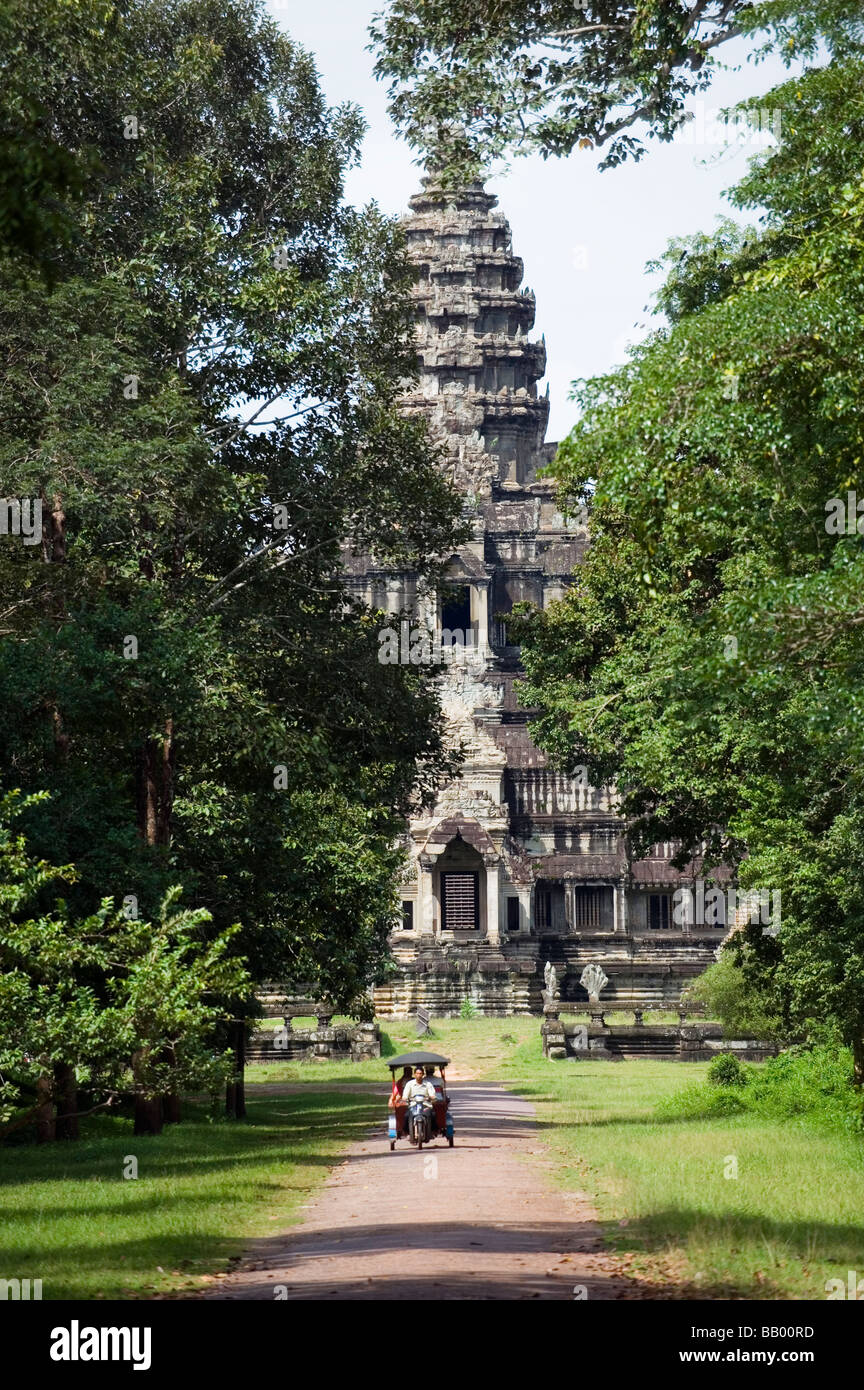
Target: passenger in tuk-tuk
419,1088
396,1098
440,1103
436,1082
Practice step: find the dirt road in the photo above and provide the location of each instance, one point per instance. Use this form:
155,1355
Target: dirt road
482,1220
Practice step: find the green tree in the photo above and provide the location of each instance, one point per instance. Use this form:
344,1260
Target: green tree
41,175
728,995
112,1003
709,659
205,400
471,80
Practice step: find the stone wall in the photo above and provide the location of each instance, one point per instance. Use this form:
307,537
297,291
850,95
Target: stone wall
497,987
345,1043
681,1042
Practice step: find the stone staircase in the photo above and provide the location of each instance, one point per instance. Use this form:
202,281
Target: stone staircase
626,1049
501,981
644,972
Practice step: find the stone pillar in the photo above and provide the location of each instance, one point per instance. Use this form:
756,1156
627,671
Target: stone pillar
619,909
493,902
525,911
426,612
552,1033
425,895
482,592
570,905
394,594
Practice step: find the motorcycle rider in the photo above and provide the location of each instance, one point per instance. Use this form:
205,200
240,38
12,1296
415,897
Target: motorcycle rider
419,1089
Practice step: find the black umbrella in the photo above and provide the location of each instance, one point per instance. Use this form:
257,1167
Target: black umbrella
418,1059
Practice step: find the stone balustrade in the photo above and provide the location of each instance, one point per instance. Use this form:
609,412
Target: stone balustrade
345,1042
683,1042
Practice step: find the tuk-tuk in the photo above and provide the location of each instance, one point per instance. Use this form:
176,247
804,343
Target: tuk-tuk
420,1125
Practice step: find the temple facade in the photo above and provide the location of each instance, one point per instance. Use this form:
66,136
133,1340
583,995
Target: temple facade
516,864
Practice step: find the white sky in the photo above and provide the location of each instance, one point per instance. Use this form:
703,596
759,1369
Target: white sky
563,212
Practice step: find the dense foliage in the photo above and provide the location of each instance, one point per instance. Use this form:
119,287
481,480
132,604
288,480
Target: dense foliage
128,1007
806,1085
710,658
199,373
728,994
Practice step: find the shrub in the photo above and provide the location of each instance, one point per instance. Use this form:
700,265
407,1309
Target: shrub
726,994
727,1070
813,1085
468,1009
701,1103
815,1082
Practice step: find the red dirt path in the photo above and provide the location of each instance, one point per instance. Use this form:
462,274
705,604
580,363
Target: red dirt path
479,1221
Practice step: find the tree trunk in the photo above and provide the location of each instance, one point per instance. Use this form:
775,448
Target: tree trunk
156,793
58,530
53,530
61,738
148,1109
170,1099
148,1115
240,1063
171,1109
858,1060
66,1100
46,1129
235,1091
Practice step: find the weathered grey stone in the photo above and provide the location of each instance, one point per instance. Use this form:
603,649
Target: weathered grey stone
535,837
593,979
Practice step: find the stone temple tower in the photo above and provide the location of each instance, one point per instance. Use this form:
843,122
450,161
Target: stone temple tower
515,864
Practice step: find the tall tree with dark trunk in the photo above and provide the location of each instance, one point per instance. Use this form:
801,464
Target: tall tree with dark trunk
206,398
710,660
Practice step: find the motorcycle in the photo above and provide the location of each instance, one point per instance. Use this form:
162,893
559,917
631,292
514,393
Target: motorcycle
419,1123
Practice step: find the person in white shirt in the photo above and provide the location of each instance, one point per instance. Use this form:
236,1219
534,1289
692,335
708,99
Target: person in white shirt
420,1088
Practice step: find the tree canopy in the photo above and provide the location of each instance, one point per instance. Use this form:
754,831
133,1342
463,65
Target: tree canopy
472,80
202,396
129,1006
709,657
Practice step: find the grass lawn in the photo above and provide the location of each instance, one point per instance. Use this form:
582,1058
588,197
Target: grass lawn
791,1219
476,1046
204,1189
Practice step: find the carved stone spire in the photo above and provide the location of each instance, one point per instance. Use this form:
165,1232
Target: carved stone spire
479,370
